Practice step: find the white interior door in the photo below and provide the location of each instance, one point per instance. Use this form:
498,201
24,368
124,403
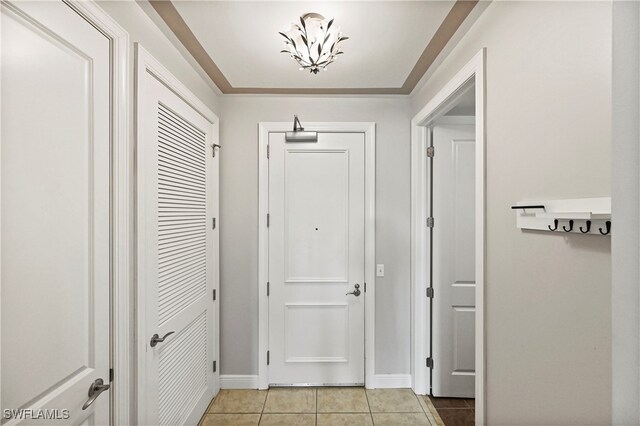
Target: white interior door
453,261
55,222
316,257
177,203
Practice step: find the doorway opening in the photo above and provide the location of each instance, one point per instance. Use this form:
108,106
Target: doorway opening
316,256
448,234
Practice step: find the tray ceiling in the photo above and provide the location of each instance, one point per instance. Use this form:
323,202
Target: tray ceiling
391,43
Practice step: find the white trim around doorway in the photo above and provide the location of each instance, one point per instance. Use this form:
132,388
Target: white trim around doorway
369,130
121,321
472,73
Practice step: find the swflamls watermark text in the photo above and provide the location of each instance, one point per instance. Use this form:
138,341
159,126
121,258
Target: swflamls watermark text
36,414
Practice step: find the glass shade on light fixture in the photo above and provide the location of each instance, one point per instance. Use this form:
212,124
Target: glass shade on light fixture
315,43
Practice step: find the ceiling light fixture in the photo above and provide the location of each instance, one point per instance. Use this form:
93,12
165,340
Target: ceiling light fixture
314,43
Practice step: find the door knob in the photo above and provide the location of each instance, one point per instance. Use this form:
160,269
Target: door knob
95,390
355,292
155,339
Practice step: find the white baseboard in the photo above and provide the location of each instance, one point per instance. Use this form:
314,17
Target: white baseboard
242,381
238,381
392,380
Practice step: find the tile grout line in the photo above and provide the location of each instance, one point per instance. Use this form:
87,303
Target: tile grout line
263,405
366,395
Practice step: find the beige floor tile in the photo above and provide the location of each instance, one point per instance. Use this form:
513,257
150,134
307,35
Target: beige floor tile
288,420
291,400
342,400
396,419
341,419
393,401
238,401
231,420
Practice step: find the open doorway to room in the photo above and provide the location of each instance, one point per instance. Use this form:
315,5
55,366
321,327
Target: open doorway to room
451,198
448,256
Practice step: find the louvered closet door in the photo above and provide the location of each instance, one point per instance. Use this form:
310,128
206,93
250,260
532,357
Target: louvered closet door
176,207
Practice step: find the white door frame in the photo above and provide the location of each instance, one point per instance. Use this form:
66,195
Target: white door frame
121,190
122,332
369,130
147,64
472,72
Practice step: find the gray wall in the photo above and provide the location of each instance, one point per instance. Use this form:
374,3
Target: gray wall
548,296
626,207
239,220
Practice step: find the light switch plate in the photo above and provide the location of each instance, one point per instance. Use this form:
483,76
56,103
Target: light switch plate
380,270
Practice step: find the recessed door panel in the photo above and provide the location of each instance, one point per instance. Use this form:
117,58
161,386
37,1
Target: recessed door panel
316,333
464,359
316,203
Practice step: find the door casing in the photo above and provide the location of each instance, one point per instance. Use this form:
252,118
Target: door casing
368,129
472,73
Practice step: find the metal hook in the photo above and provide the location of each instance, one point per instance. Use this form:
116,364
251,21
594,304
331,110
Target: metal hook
555,224
588,228
570,226
607,225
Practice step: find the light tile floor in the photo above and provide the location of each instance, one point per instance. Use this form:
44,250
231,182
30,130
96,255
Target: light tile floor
321,406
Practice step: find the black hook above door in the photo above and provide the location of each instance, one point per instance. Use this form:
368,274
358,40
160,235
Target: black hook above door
586,231
607,225
570,226
555,225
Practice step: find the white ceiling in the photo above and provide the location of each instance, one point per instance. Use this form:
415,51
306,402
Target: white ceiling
386,38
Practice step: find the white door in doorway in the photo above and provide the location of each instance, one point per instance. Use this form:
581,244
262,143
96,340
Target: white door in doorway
453,261
55,222
177,251
316,260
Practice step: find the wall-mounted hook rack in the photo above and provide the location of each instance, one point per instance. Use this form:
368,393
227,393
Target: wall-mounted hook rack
581,215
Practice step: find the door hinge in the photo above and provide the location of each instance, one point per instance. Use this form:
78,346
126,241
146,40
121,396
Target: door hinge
430,222
214,294
268,150
430,362
430,292
215,366
431,151
267,357
267,220
111,375
267,288
213,223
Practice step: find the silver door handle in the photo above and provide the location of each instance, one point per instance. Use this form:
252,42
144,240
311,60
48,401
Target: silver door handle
95,390
355,292
155,339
